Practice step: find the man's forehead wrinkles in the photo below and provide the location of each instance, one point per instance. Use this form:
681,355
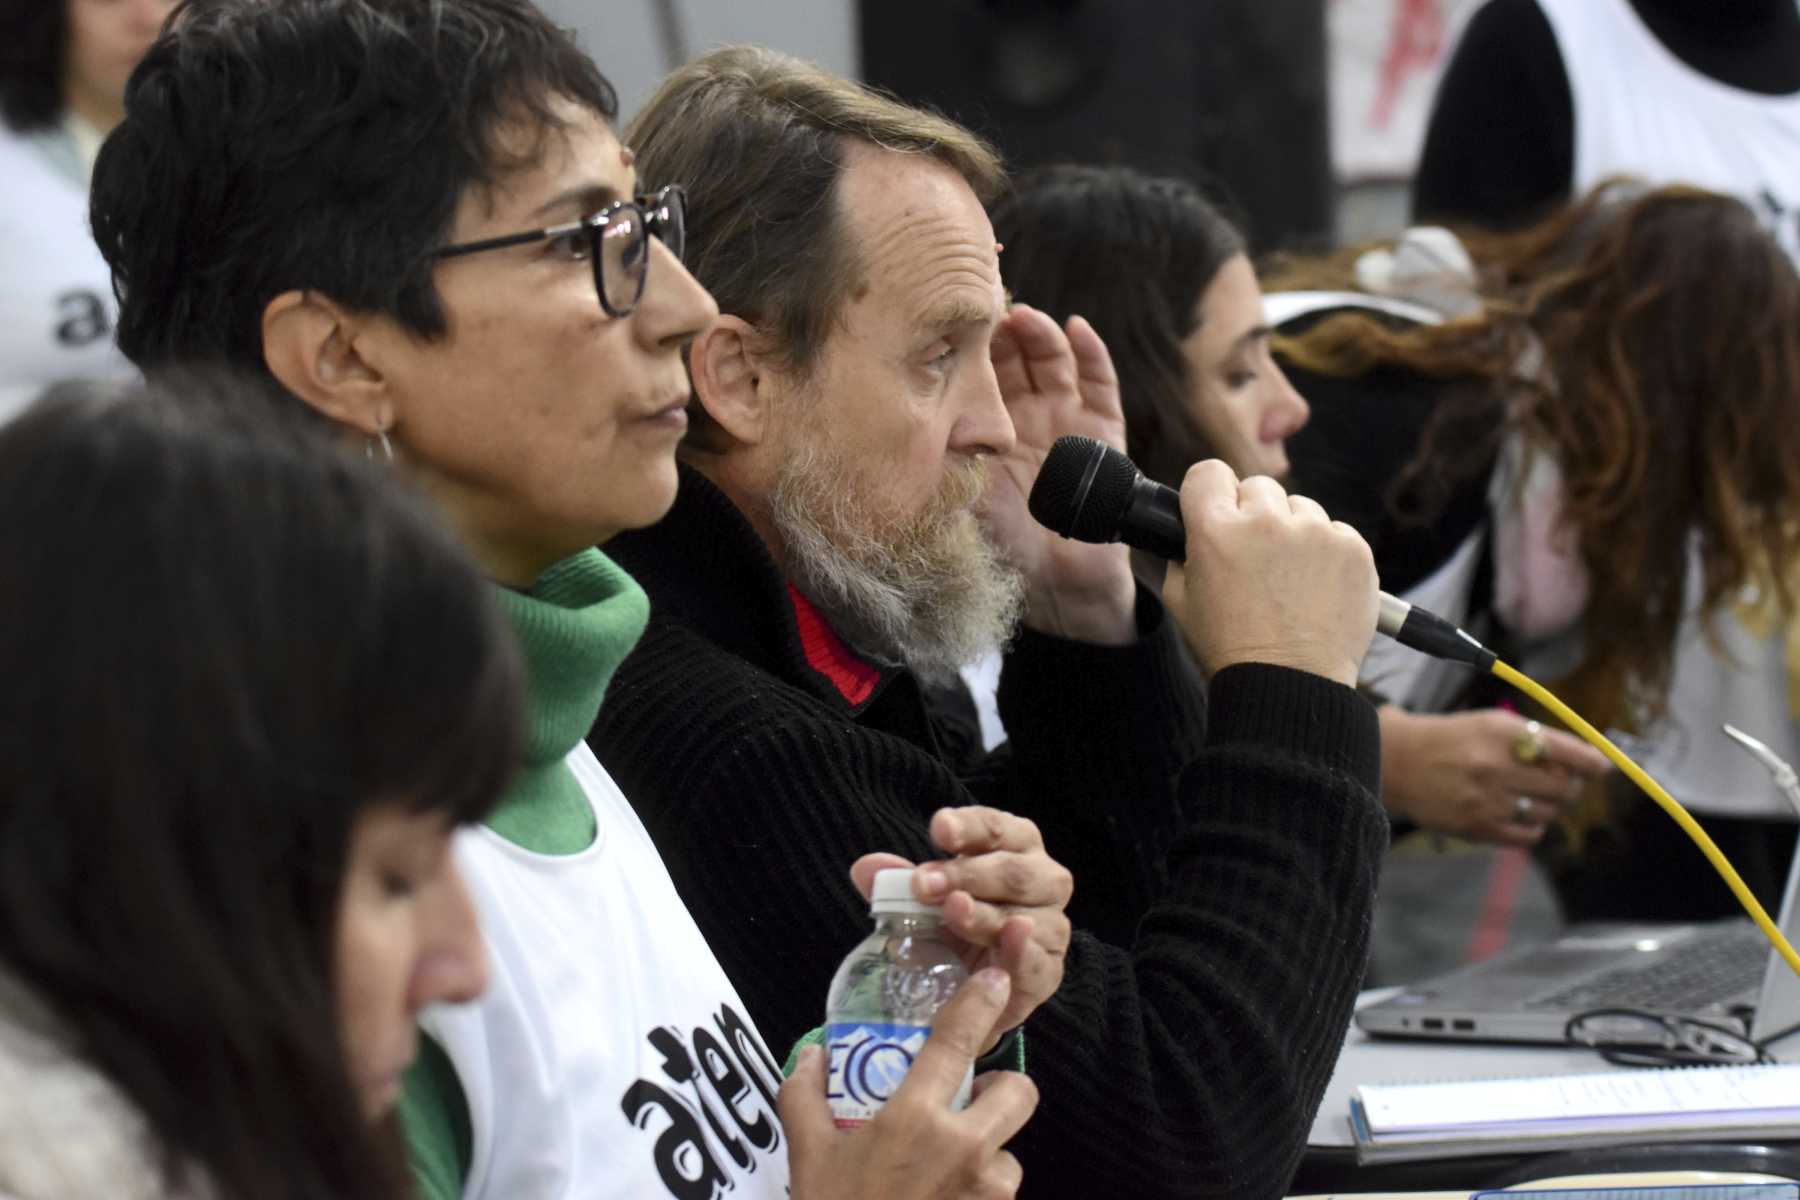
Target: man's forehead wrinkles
935,265
926,260
924,230
931,268
938,296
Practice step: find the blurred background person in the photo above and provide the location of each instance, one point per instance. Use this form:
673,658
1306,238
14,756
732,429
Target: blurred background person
1163,275
63,66
251,692
1599,455
1544,99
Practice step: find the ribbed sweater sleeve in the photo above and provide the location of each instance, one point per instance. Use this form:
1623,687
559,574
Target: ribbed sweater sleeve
1096,737
1192,1063
1186,1063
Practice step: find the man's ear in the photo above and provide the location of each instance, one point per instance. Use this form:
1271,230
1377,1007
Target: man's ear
732,380
310,344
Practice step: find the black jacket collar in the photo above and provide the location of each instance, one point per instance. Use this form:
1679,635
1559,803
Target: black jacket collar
705,566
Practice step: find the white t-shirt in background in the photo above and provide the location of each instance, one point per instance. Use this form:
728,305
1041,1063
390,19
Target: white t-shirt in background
1640,110
56,304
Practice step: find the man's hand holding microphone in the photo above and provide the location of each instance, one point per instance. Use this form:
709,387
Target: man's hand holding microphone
1270,578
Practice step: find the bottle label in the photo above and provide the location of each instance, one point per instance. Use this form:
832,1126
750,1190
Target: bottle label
866,1062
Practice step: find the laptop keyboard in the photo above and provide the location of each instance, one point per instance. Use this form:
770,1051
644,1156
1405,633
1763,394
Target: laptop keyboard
1707,970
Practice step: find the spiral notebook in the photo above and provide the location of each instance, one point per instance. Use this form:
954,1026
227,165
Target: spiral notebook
1406,1121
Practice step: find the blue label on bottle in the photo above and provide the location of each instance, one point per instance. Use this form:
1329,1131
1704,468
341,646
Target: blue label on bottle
867,1060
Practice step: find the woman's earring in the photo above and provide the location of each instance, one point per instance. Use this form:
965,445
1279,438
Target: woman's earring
387,447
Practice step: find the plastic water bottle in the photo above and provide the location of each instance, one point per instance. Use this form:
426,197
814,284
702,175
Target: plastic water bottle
883,1000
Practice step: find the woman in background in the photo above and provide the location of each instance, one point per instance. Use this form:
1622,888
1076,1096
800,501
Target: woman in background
1595,447
63,66
251,691
1165,278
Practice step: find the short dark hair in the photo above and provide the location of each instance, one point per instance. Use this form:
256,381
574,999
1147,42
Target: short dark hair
313,144
758,139
32,35
1133,253
223,640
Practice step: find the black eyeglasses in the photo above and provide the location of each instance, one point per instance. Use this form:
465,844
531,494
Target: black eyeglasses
1630,1037
616,240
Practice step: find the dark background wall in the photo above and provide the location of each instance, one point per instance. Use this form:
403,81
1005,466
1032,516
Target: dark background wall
1229,92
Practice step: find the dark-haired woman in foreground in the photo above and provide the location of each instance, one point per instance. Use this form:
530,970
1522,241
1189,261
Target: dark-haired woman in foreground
251,691
1595,445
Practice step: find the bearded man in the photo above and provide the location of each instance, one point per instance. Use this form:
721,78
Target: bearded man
867,419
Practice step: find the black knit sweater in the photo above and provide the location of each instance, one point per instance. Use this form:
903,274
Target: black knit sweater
1189,1045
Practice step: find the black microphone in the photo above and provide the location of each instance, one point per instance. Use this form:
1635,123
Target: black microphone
1092,493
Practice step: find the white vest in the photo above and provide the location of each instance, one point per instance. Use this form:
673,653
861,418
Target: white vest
56,303
610,1056
1639,110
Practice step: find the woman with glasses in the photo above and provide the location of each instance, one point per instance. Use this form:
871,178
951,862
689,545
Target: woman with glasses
251,690
462,283
63,65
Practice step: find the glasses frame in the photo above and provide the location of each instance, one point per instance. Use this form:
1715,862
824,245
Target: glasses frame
658,214
1684,1041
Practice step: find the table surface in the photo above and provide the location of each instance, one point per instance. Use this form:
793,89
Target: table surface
1637,1179
1366,1059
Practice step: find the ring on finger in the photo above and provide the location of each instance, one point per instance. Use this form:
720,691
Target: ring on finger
1529,746
1523,809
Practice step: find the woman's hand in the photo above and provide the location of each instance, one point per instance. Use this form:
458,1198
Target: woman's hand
1463,774
916,1148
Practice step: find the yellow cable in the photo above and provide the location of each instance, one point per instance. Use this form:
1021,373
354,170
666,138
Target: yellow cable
1670,805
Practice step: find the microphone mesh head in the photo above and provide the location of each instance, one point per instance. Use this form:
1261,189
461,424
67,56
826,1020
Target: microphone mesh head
1057,500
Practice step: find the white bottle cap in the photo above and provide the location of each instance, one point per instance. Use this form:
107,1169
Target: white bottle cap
893,893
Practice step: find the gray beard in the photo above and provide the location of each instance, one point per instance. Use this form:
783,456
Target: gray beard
932,594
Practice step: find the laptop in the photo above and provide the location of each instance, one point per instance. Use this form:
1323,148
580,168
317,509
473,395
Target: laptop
1724,972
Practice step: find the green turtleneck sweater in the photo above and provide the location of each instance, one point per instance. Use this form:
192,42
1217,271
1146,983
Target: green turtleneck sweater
575,626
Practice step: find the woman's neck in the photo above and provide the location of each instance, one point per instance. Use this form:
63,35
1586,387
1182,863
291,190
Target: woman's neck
102,112
511,549
1748,44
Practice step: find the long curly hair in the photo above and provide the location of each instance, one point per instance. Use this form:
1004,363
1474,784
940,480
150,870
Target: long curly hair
1665,329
